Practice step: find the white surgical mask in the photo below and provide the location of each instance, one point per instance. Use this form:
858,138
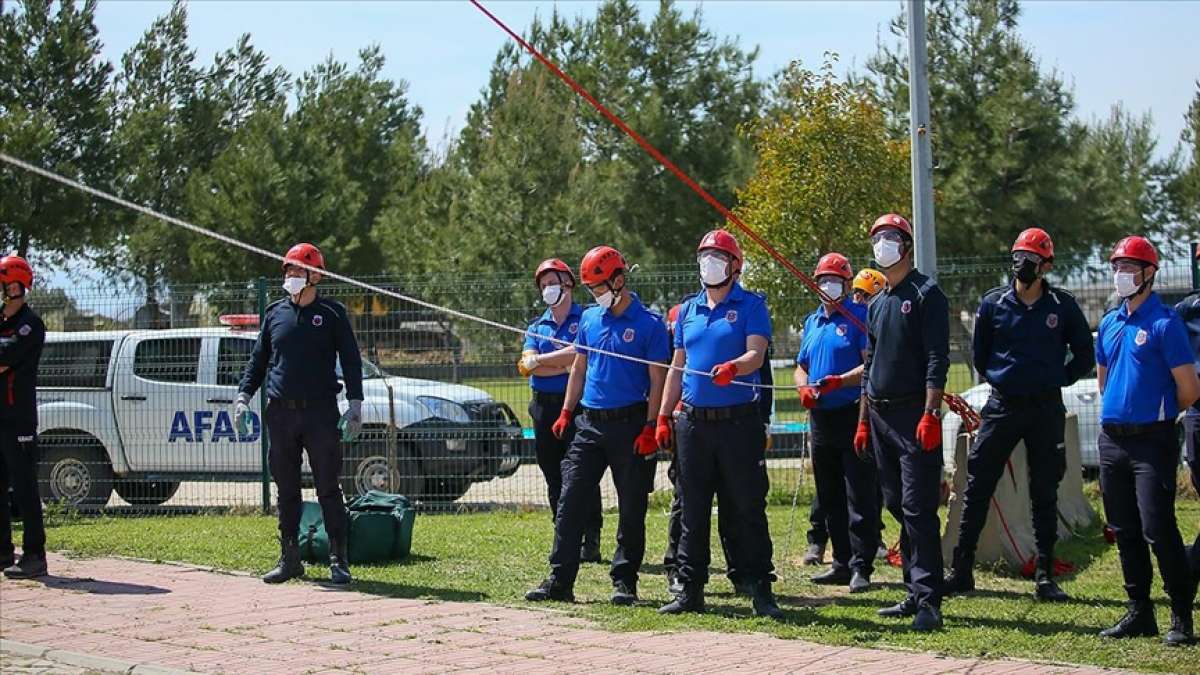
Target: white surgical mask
553,294
713,270
607,300
293,285
1126,285
887,252
832,289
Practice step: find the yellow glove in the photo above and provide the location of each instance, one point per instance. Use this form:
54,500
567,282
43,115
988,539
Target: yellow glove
527,364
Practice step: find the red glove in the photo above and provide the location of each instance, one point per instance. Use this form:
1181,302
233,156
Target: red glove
662,432
723,374
560,425
808,397
829,383
860,437
929,432
646,443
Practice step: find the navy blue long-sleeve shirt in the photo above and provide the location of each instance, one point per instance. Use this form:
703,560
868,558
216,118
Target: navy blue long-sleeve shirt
1188,309
298,349
1023,349
908,339
22,337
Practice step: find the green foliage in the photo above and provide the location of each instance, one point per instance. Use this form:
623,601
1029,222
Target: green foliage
1183,189
826,169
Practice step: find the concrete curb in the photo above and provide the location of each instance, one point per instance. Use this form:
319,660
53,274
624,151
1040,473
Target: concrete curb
100,663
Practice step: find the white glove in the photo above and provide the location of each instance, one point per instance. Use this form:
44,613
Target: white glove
241,414
528,364
351,423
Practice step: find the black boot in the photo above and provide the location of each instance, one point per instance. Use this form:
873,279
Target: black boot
907,607
6,560
30,566
928,618
690,598
1137,622
289,565
589,552
624,593
339,561
1048,591
764,601
550,589
835,576
962,576
1182,631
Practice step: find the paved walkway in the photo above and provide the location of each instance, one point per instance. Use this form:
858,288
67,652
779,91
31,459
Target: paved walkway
136,617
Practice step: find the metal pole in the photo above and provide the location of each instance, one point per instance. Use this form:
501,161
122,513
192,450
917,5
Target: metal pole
919,128
1195,266
262,408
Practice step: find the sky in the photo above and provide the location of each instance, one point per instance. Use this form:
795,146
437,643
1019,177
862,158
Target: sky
1139,53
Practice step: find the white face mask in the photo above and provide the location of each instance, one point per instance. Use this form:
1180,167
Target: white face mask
1126,284
607,300
713,270
293,285
887,252
553,294
833,289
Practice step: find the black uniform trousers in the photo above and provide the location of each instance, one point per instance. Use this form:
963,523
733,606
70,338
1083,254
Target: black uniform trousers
1038,420
550,450
726,529
725,457
296,426
19,458
1137,479
848,486
601,444
911,480
1191,431
818,530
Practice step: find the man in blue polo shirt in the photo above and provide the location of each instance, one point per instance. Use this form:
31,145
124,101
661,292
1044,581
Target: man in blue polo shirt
1147,375
720,439
618,391
1024,333
546,360
829,378
1189,310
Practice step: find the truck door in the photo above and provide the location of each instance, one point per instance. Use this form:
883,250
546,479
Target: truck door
160,404
227,451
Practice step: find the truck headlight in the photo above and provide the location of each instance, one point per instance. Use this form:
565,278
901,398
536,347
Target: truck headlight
445,409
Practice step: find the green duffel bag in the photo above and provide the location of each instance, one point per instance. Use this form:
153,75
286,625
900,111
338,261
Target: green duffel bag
381,527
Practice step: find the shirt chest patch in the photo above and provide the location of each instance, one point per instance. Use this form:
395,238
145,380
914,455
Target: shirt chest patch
628,335
906,307
1052,321
1140,338
318,320
840,330
25,330
573,328
731,316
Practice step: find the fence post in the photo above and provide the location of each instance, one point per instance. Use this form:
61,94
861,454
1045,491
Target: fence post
261,288
1195,266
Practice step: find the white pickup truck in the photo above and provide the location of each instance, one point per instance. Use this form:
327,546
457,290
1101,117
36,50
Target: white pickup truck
142,411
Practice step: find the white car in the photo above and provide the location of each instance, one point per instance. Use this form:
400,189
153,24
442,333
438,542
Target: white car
141,411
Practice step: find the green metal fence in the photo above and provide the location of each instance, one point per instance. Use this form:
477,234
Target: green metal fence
136,386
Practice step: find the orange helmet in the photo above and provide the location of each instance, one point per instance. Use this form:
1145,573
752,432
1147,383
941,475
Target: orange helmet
1135,248
601,264
553,265
304,254
722,240
835,264
1035,240
893,220
870,281
14,269
672,317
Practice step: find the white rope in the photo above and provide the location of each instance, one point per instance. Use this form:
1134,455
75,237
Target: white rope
333,275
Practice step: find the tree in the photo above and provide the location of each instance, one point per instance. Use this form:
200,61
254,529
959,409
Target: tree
55,113
826,169
1183,189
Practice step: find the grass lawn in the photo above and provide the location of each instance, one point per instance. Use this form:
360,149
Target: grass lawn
496,556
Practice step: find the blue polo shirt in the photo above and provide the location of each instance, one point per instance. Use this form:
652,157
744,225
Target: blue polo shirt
544,327
612,382
1139,352
1023,349
832,345
710,337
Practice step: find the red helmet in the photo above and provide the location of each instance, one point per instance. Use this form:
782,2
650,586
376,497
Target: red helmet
553,265
893,220
304,254
673,314
15,269
1135,248
1035,240
835,264
722,240
601,264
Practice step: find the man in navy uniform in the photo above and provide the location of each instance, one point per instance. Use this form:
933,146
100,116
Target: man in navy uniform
299,345
908,356
829,380
615,429
1024,334
719,436
1147,375
22,335
1189,310
547,364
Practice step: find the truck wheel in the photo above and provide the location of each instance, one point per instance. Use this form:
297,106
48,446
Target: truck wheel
146,493
75,475
366,468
